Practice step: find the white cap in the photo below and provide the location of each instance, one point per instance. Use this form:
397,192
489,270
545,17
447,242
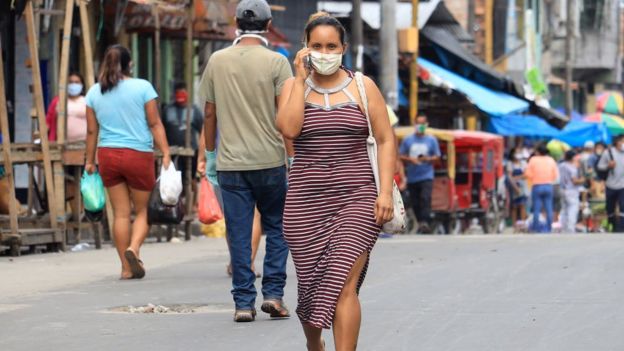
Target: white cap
589,144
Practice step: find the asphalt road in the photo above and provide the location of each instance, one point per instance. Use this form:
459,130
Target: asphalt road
515,292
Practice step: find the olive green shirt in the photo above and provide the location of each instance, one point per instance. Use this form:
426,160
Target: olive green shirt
243,82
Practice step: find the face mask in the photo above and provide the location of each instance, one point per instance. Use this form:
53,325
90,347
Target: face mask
325,64
74,89
621,147
517,157
421,128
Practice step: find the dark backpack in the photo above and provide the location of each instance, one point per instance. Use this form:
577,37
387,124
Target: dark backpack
603,174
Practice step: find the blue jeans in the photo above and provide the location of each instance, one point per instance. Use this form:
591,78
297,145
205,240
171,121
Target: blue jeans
542,196
241,192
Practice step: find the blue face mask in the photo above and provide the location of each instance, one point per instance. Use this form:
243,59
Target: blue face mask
74,89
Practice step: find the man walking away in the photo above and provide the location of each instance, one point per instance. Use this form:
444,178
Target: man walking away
419,151
241,86
570,182
612,160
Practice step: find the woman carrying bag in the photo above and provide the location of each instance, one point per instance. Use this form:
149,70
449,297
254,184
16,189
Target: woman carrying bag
123,124
333,212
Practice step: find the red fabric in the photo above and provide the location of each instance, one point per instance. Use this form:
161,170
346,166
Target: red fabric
128,166
51,117
208,207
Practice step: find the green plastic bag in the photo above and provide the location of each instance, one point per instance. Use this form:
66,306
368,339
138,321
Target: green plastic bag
92,190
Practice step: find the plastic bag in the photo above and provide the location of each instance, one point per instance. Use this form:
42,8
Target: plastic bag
170,185
92,190
208,206
160,213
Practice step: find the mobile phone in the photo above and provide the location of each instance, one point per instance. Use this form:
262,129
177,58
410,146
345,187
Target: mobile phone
307,62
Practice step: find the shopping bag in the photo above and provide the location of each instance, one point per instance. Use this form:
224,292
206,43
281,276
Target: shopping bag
208,206
160,213
92,190
170,185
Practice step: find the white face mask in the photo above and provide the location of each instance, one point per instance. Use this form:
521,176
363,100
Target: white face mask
325,64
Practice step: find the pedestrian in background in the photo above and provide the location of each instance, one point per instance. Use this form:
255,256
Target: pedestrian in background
516,183
123,124
542,173
419,152
174,120
333,211
76,123
250,165
571,181
612,161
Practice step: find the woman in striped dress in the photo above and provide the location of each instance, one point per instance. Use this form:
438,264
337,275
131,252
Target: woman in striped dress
333,213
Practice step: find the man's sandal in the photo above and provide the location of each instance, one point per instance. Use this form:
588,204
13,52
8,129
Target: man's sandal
276,308
244,316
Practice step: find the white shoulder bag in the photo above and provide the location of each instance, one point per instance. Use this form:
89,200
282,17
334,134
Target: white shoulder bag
397,224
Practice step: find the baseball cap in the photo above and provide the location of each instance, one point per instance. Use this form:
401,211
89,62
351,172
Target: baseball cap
253,9
589,144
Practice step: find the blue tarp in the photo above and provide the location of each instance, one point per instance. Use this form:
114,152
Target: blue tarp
576,133
520,125
489,101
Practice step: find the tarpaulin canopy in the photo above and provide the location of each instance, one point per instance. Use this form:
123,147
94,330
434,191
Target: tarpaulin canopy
576,133
491,102
521,125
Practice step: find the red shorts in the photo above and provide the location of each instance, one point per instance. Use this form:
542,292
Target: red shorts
132,167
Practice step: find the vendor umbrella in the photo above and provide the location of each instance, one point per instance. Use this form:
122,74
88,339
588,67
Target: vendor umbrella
614,124
610,102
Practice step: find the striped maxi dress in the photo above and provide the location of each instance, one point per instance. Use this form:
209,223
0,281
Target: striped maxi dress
329,211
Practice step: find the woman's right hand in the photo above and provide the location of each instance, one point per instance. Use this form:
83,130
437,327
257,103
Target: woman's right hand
300,68
90,168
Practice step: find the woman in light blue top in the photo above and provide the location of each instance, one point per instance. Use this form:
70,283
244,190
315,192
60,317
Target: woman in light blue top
123,123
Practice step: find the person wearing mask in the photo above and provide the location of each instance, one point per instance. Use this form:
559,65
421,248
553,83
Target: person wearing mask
122,126
76,123
249,166
333,212
612,160
599,148
542,173
517,185
174,120
571,180
419,152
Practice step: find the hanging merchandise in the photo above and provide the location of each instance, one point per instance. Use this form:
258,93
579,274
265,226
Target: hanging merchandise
160,213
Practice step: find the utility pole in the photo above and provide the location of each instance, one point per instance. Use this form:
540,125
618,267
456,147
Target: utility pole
568,56
357,32
389,53
489,31
414,66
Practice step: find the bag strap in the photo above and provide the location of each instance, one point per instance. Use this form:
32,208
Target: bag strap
359,81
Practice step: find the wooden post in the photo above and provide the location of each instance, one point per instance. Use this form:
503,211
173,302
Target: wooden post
157,63
63,72
189,116
86,41
414,66
43,129
6,151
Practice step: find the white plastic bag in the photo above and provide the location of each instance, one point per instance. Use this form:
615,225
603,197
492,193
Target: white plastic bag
170,185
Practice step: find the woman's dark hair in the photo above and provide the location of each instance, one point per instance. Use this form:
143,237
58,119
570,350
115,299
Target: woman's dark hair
82,81
541,149
324,19
115,65
512,154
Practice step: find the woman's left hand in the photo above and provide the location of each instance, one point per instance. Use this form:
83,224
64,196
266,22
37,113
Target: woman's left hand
166,161
384,210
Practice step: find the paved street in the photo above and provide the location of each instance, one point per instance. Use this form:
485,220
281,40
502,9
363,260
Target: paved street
541,292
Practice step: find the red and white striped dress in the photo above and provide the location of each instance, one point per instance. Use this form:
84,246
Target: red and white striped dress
329,212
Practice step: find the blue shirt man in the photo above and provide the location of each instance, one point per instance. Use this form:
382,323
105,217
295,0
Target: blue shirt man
419,152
